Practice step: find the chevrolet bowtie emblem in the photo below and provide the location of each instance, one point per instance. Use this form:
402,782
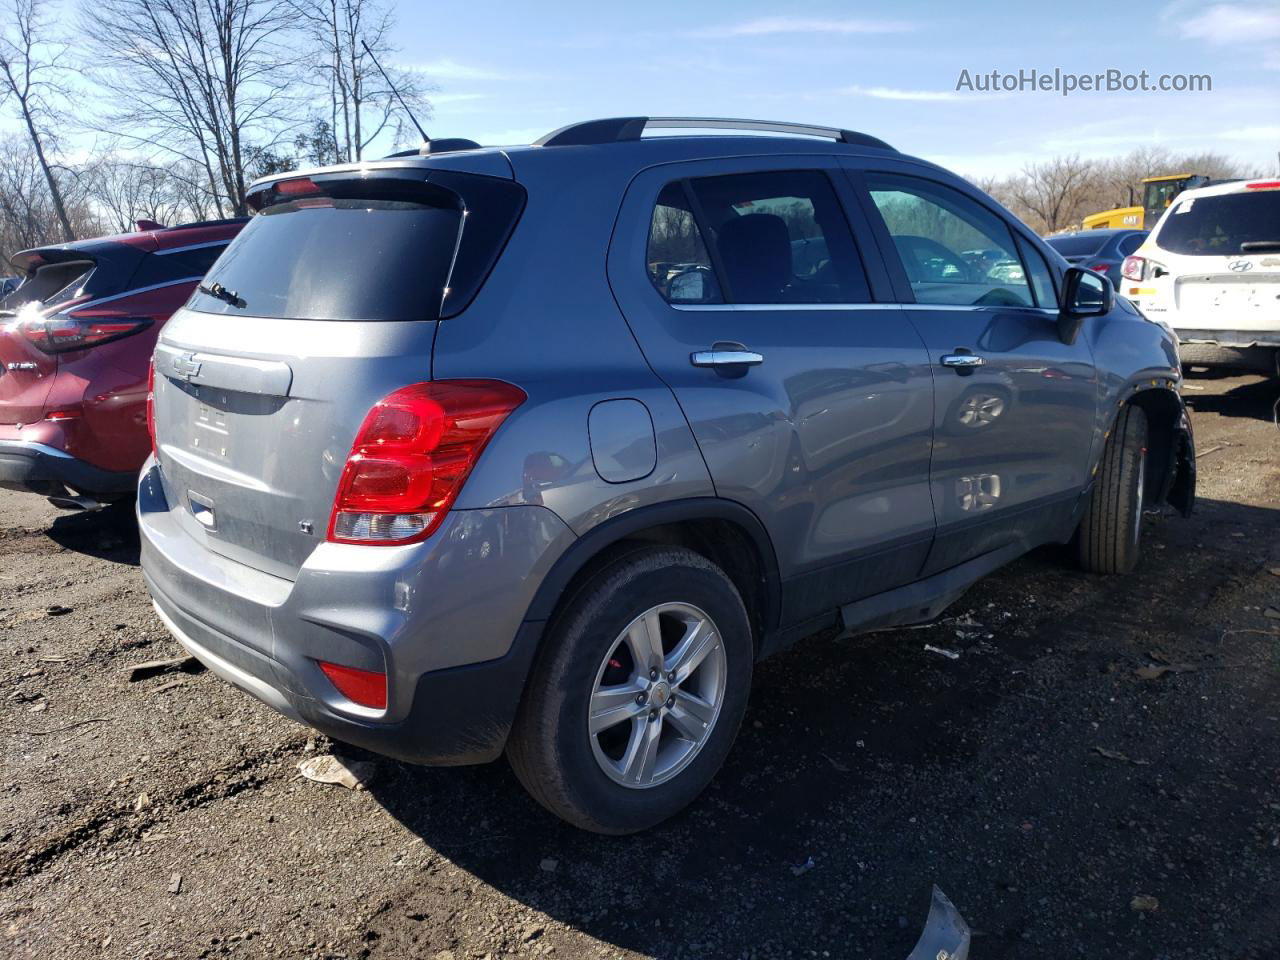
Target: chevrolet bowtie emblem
187,367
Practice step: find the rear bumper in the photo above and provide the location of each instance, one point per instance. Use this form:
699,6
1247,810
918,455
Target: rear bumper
1230,338
444,619
38,468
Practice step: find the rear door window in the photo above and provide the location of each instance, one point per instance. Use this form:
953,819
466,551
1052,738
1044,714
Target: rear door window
779,238
677,260
953,249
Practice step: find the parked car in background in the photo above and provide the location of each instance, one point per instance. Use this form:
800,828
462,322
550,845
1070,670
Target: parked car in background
1210,271
75,343
445,491
1102,251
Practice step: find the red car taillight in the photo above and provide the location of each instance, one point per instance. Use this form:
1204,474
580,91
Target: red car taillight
1133,268
1099,267
365,687
61,333
411,457
151,406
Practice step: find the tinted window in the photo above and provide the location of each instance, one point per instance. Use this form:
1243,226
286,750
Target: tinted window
338,259
1129,244
162,267
1218,225
1078,245
781,238
51,284
677,260
382,246
953,249
1041,277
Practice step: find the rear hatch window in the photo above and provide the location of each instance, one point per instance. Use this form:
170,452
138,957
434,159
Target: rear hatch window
378,247
1219,225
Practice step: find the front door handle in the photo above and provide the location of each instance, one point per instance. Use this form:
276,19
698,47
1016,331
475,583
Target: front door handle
962,361
726,355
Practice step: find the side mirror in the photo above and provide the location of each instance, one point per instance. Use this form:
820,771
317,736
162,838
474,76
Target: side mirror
693,285
1084,294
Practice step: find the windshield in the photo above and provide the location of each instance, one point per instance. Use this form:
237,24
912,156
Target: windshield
1218,225
1078,245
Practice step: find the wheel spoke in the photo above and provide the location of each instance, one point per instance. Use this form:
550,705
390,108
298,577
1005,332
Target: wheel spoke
611,706
692,650
641,758
691,716
644,638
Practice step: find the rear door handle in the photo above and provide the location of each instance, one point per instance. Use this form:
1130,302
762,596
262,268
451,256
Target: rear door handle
964,361
726,356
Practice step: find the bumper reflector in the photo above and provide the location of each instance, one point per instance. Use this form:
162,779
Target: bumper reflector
365,687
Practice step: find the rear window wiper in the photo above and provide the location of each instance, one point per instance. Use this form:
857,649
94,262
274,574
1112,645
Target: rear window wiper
219,292
1260,246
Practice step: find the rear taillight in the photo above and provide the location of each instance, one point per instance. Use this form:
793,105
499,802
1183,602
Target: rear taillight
1133,268
1099,267
1264,185
411,457
365,687
61,333
151,406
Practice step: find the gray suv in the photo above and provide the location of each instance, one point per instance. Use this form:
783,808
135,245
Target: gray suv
540,449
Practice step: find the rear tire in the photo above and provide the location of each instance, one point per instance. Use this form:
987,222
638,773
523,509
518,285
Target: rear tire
623,775
1110,532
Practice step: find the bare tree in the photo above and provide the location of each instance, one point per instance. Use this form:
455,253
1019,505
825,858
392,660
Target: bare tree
29,69
361,105
127,189
27,215
1054,192
206,80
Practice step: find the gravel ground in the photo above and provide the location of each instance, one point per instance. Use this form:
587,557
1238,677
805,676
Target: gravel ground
1039,779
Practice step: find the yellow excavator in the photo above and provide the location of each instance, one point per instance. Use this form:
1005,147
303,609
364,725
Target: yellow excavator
1157,194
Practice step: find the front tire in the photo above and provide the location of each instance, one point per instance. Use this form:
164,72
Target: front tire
637,698
1111,530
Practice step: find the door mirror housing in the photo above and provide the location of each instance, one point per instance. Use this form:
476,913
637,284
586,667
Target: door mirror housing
1084,294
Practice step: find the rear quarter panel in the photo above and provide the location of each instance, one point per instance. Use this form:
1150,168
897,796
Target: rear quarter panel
546,321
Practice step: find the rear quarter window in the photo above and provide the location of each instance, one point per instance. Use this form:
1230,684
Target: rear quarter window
189,263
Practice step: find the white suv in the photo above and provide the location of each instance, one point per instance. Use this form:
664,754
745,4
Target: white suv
1210,271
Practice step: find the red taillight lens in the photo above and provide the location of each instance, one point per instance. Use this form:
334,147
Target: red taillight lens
411,457
1264,185
365,687
61,333
1099,267
1133,268
151,406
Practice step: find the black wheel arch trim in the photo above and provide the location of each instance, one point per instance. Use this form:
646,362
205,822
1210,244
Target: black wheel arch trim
1178,473
622,527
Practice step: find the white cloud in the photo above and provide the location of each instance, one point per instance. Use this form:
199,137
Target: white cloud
1252,134
771,26
447,68
894,93
1226,24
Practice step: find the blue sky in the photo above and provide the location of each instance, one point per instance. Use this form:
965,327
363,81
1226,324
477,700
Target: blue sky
506,73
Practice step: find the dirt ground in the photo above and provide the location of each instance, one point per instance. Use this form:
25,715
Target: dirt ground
1039,779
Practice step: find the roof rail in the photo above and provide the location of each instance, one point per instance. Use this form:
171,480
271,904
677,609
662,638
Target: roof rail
617,129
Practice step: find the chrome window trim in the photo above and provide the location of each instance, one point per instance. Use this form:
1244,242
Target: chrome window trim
749,307
192,246
135,290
